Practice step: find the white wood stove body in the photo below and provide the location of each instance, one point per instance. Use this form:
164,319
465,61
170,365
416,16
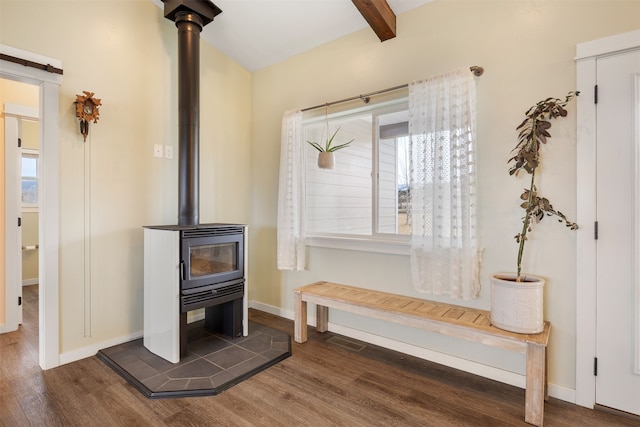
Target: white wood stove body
162,259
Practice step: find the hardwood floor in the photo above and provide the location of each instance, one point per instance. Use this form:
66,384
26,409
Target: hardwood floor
328,381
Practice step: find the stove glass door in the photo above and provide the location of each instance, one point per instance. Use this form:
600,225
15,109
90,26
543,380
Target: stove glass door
211,259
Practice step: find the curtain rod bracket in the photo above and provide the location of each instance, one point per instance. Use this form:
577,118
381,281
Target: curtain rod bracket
477,70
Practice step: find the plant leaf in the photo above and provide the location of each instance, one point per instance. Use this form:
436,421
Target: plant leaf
338,147
316,146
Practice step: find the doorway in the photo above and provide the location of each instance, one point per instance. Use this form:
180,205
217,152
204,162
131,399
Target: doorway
21,197
48,87
608,267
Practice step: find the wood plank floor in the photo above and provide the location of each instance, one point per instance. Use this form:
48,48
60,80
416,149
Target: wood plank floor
328,381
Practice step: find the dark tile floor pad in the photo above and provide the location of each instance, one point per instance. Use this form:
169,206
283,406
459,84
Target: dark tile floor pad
214,363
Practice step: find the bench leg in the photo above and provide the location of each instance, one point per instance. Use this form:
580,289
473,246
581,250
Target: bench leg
299,318
546,375
536,384
322,318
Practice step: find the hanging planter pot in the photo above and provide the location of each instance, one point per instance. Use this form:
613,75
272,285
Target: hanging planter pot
517,306
326,160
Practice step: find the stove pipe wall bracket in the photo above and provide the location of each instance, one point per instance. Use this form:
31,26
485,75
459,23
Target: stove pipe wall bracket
190,17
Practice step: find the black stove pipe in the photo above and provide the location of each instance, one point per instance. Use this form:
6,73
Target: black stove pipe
189,28
190,17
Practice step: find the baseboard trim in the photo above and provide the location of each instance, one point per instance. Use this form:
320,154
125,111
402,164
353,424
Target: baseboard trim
29,282
507,377
558,391
91,350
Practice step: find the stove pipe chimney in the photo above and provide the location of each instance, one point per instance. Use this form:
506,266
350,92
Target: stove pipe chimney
190,17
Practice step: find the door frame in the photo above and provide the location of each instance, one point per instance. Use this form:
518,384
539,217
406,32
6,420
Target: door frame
586,56
49,86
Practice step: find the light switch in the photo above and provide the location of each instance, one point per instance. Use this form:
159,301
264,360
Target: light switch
157,150
168,152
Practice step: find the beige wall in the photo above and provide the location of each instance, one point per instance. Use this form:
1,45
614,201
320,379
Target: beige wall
11,92
111,186
527,49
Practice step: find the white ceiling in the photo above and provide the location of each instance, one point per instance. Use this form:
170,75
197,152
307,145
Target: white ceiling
258,33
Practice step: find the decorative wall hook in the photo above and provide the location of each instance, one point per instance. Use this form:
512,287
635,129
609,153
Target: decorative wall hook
87,110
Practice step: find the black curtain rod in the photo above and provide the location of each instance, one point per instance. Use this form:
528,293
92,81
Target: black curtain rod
48,67
477,70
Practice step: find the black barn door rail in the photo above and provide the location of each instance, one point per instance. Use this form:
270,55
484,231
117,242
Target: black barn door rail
46,67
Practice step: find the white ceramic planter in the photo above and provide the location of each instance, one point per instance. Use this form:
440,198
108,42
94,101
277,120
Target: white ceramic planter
326,160
517,307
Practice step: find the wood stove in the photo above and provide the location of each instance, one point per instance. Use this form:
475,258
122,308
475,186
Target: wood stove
189,267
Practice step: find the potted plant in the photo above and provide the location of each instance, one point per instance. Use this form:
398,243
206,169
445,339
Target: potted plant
325,156
517,299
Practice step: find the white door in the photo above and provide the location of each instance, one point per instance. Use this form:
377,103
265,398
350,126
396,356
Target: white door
13,233
618,240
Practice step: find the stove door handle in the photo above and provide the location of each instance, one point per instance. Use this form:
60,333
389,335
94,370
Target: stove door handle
182,270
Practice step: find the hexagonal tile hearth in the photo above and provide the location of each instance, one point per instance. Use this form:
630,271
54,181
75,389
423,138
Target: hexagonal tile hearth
214,363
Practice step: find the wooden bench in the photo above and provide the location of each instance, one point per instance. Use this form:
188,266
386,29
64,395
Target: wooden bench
462,322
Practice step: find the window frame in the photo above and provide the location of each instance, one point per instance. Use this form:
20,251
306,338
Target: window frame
34,153
375,242
376,169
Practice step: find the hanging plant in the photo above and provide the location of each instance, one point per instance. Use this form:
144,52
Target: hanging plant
328,148
325,156
326,159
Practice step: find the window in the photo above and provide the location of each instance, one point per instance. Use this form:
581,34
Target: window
365,196
373,197
29,183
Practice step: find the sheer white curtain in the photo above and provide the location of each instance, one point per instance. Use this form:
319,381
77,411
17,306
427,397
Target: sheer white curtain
291,229
442,121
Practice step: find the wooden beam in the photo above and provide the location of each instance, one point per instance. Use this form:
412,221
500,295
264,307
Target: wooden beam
380,17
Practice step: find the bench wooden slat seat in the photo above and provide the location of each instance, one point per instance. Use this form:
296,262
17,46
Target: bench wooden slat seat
462,322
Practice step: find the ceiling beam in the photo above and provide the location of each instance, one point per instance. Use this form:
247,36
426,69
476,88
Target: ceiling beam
380,17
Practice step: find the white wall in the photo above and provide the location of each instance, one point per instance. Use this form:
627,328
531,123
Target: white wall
111,186
527,49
